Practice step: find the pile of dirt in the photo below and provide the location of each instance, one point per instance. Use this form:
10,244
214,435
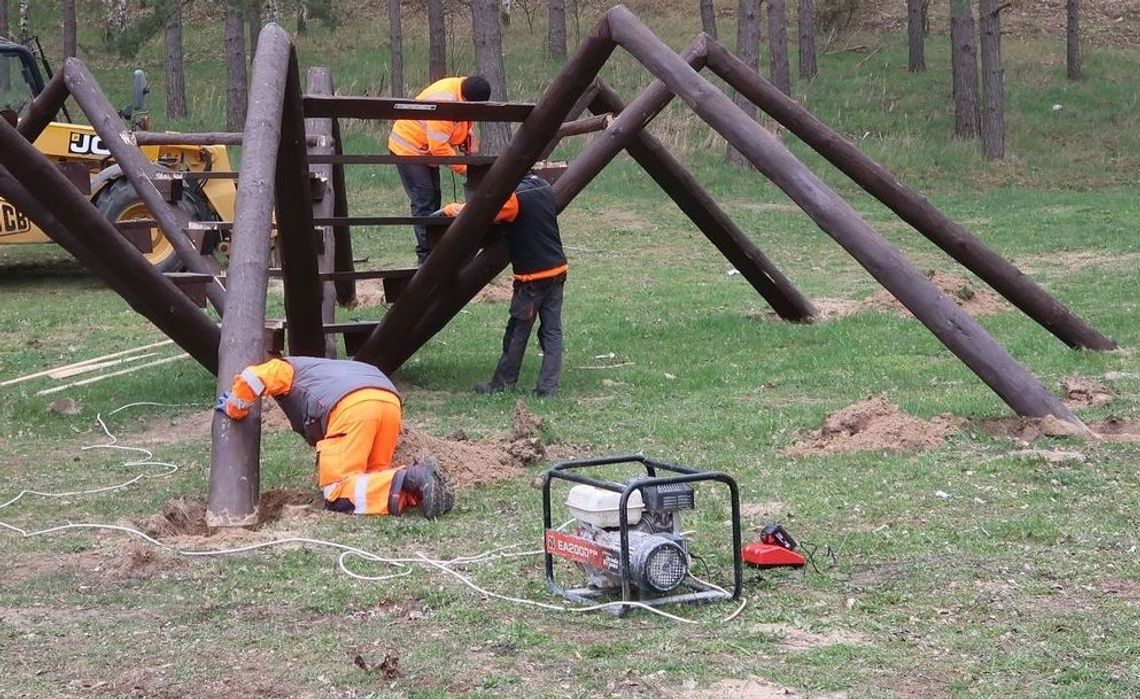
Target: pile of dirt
874,424
181,517
973,299
1083,393
370,293
468,463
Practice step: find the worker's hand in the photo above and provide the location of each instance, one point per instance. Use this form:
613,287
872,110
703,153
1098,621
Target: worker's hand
232,406
452,209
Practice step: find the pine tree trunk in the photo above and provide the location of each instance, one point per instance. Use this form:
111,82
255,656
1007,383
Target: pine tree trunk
964,64
556,29
486,32
236,96
68,28
396,32
748,50
993,88
254,10
708,18
1073,39
778,45
916,37
806,20
5,80
175,75
25,32
437,40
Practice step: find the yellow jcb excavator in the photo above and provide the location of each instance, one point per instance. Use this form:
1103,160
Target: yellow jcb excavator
211,199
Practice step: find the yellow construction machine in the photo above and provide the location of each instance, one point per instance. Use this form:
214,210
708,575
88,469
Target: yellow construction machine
70,144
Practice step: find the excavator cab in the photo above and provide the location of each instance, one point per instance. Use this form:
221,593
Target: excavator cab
20,79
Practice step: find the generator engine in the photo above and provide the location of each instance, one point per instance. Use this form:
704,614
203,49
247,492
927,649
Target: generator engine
658,553
636,556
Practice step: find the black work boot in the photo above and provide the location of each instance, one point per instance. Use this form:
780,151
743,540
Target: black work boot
422,481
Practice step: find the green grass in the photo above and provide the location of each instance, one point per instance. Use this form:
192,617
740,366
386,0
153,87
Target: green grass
1024,581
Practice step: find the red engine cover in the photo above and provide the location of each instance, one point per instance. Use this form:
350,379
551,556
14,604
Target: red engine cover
761,555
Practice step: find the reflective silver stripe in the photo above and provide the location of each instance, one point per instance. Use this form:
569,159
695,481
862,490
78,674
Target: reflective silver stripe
254,382
361,498
437,97
404,142
440,135
329,489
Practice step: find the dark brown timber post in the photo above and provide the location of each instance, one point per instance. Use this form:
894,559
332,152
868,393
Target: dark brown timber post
703,211
234,460
44,108
118,139
342,235
467,231
949,323
296,237
912,207
320,134
72,222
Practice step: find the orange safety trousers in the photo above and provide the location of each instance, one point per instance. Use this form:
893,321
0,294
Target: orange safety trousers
354,460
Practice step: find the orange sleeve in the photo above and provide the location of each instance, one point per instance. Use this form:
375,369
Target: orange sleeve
507,214
273,378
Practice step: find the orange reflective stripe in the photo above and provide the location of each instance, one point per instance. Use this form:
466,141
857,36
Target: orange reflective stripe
544,274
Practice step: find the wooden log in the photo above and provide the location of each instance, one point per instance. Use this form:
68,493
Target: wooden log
376,159
236,446
911,206
466,232
342,233
949,323
703,211
344,107
598,122
70,220
139,171
318,81
44,108
158,138
297,241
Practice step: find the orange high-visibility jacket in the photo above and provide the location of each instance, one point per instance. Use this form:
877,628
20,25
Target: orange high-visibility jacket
432,136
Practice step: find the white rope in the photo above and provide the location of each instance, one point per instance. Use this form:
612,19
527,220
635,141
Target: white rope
346,551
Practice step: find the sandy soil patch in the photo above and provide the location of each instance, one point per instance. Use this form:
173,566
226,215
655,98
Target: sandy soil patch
972,298
874,424
1027,429
1084,393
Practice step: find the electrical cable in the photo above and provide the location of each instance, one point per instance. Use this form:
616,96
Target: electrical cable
346,551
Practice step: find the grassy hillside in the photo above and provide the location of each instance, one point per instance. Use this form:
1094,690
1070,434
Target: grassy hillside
999,562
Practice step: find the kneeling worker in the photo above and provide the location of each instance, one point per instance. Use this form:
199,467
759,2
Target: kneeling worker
350,411
529,223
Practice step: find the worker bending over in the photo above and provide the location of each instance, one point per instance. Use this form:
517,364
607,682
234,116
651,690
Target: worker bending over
434,137
350,411
529,222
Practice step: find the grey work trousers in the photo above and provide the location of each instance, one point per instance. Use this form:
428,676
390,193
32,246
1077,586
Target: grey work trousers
541,299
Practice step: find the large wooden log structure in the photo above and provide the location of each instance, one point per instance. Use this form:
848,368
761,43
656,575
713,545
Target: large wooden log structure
289,136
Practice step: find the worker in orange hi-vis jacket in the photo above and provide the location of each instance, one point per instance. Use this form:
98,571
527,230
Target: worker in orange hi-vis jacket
434,137
529,224
350,411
